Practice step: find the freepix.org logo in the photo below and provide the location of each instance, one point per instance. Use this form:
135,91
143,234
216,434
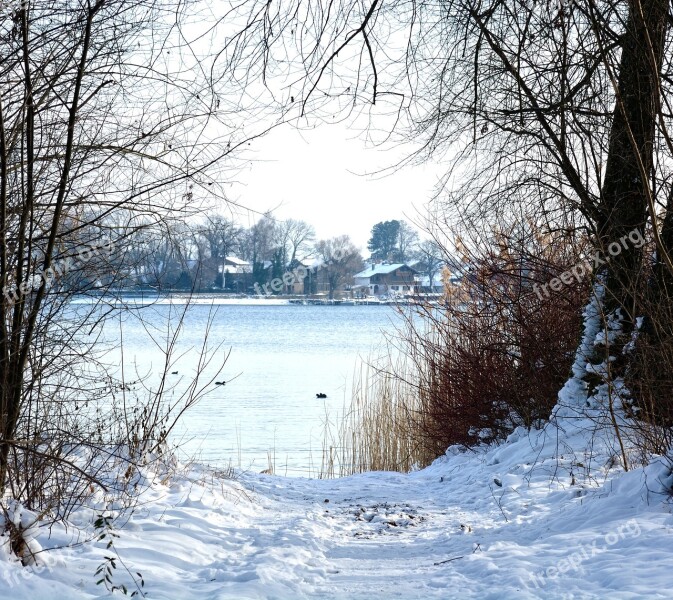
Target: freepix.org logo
60,268
584,552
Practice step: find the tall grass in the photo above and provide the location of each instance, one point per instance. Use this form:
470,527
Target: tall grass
380,429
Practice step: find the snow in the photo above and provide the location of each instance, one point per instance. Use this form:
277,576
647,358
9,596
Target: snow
549,513
527,519
184,299
573,396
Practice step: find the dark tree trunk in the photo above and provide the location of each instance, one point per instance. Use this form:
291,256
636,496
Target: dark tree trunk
627,203
623,207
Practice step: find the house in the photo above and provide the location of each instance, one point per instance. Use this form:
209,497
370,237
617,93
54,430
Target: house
299,277
386,279
233,264
234,274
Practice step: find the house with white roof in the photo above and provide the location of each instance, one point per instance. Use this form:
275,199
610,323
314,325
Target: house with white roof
386,279
234,273
235,265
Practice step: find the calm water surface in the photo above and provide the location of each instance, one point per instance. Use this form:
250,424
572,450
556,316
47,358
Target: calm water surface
280,357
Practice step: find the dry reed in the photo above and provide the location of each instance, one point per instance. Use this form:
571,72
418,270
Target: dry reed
379,430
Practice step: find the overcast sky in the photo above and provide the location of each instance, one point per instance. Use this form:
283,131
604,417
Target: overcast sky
319,176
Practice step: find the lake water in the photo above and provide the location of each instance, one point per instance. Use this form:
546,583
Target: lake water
280,357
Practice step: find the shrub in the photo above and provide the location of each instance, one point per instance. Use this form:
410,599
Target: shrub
490,357
501,345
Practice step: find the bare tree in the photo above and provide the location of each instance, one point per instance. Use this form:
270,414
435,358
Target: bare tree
407,242
110,128
257,246
223,237
297,237
431,259
341,260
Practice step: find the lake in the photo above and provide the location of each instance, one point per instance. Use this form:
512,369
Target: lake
280,357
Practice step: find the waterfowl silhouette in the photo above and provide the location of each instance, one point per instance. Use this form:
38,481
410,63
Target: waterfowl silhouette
321,395
220,382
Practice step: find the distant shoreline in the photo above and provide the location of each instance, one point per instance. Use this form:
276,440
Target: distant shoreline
182,298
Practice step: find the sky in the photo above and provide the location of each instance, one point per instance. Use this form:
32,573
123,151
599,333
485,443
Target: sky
325,175
322,176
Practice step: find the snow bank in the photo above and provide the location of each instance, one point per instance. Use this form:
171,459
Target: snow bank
545,515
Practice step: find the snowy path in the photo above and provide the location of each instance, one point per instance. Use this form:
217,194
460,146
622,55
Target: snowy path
374,536
521,532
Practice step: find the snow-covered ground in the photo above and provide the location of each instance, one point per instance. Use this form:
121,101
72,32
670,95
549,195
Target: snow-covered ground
548,514
545,515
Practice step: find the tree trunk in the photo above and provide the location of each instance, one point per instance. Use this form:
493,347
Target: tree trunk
624,196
